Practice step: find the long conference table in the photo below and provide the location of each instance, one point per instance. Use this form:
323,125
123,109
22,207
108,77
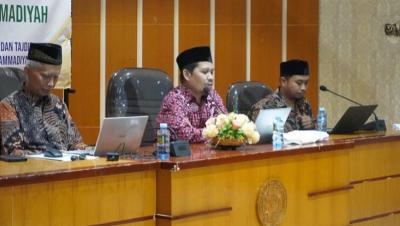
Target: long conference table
347,180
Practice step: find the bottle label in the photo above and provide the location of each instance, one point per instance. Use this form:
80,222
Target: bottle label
160,139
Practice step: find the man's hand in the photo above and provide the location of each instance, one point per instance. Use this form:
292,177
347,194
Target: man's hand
80,146
306,122
18,152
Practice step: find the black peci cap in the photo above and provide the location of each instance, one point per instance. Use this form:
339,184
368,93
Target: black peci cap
47,53
193,55
294,67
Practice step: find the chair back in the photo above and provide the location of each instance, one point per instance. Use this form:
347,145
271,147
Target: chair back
11,79
242,96
138,91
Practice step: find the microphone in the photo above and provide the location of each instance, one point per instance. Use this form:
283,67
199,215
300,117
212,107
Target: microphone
206,92
177,147
378,124
323,88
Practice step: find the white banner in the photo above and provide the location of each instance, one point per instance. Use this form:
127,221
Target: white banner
26,21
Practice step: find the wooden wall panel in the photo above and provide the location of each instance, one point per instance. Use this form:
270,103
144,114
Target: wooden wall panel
84,104
266,12
266,54
158,43
230,44
230,12
59,93
303,12
303,44
194,30
194,23
302,41
266,41
120,35
193,35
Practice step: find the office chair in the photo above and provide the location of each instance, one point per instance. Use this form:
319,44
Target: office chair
11,79
138,91
242,95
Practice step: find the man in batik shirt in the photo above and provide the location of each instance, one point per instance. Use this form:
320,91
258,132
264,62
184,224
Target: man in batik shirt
187,107
32,119
291,93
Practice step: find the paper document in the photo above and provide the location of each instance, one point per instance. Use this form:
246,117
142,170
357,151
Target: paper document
86,151
304,136
65,158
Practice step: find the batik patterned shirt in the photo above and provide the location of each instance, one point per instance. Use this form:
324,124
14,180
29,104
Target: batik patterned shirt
32,124
275,100
187,118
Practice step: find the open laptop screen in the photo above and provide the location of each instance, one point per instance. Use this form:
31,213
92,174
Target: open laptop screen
353,119
265,119
120,134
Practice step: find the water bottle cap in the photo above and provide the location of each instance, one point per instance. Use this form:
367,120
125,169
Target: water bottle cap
163,126
321,109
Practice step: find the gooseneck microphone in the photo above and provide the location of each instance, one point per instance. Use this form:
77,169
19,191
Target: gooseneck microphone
206,92
323,88
378,125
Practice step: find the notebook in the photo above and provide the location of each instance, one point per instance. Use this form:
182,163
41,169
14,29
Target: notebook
120,134
353,119
265,119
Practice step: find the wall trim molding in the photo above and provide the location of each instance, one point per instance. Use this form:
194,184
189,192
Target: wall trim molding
176,42
212,34
103,63
248,40
284,30
139,34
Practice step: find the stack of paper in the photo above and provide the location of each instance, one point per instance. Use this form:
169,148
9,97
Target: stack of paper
304,136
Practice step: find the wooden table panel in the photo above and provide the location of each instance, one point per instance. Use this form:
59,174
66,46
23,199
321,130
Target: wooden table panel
236,185
84,201
380,157
328,183
376,198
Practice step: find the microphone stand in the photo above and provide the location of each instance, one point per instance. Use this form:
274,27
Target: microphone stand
346,98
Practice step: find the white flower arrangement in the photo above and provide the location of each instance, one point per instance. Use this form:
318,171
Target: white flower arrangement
231,126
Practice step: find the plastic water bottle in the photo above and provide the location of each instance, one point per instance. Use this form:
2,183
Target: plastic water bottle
163,142
277,134
321,119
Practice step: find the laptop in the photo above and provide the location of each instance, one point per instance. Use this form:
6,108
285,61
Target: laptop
120,134
265,119
353,119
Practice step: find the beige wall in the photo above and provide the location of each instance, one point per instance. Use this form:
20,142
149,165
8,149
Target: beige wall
357,59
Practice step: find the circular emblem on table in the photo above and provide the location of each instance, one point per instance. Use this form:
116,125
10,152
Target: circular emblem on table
271,203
